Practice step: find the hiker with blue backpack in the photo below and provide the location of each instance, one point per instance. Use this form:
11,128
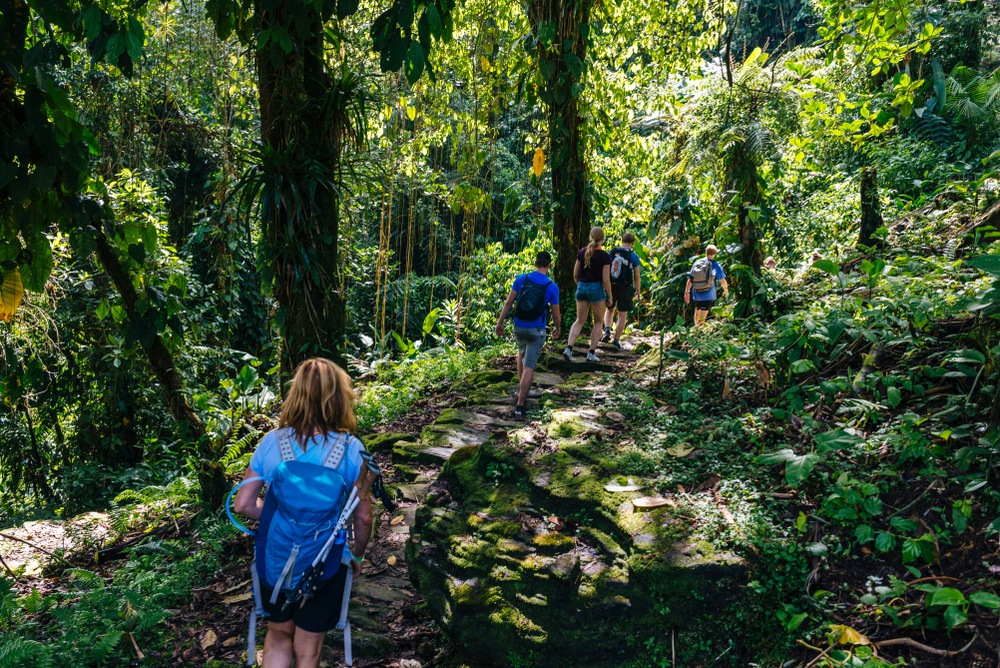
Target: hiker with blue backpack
318,478
705,273
530,297
625,285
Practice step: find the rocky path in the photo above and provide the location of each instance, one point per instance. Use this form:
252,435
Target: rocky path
393,624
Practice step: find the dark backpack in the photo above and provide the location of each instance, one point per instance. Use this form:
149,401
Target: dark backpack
702,275
621,266
530,304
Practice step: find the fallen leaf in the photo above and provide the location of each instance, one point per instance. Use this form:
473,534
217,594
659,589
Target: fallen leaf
391,560
238,598
614,416
669,410
396,520
209,639
680,450
229,642
556,522
651,502
615,487
849,636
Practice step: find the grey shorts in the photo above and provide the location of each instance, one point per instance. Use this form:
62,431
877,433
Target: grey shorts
529,344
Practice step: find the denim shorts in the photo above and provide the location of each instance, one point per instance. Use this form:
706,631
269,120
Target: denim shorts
529,344
590,292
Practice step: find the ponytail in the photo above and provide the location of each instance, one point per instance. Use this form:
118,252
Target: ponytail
596,237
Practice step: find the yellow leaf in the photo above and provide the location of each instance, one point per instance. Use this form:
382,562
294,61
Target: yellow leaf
411,113
209,639
484,62
538,162
680,450
396,520
391,560
848,636
238,598
11,291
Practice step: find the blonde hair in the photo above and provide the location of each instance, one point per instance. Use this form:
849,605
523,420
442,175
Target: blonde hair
711,251
596,237
320,400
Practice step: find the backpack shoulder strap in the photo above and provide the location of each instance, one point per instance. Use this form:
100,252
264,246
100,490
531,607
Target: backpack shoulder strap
285,445
336,453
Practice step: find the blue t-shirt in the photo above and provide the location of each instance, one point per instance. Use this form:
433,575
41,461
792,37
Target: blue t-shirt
551,297
708,295
268,454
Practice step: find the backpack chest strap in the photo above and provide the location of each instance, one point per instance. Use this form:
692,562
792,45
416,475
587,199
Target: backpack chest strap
285,446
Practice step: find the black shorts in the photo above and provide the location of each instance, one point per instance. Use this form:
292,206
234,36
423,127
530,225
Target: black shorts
622,296
320,614
704,306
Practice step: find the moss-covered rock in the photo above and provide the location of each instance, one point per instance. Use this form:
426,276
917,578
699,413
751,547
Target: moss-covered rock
534,563
384,442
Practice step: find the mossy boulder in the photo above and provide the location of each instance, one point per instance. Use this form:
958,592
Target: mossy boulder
384,442
535,563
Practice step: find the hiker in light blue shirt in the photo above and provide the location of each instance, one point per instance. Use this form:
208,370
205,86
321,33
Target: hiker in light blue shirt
705,273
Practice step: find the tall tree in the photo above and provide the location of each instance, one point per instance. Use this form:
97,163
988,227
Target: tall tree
561,30
311,110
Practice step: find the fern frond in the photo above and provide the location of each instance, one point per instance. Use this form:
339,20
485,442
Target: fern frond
16,652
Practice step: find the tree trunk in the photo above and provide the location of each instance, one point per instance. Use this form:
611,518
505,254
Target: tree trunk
563,70
156,351
871,211
301,130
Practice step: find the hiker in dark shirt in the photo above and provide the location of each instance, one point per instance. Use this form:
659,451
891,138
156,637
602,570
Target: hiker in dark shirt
592,274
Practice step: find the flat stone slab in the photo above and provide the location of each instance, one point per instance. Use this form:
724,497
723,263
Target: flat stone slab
473,418
453,435
546,379
413,492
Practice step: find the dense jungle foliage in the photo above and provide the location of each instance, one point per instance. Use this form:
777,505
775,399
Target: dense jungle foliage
195,195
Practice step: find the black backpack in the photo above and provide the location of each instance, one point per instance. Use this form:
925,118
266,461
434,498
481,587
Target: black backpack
621,266
530,304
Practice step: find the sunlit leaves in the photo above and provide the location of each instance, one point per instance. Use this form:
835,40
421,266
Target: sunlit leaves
538,162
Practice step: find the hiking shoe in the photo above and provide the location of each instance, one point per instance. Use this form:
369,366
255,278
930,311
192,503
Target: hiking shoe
568,354
591,357
617,344
520,411
607,335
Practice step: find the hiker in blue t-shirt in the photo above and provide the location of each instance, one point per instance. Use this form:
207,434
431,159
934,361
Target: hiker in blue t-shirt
705,273
532,293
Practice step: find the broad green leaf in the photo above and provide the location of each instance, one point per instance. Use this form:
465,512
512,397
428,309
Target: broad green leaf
347,7
799,467
415,61
827,266
985,599
884,542
35,273
803,366
893,396
775,457
864,534
946,596
836,439
988,263
968,356
954,616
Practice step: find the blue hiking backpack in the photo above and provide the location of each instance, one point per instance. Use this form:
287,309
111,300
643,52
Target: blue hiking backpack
301,542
